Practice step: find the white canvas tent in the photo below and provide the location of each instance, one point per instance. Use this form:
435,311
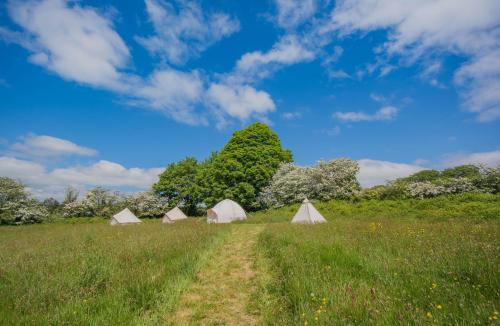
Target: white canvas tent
308,214
124,217
225,212
173,215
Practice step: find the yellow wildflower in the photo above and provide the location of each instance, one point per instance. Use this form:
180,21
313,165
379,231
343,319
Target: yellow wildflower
495,317
439,306
429,315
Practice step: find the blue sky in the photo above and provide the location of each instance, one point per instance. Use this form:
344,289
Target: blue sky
106,93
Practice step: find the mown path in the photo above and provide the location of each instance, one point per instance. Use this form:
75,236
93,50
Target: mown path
222,290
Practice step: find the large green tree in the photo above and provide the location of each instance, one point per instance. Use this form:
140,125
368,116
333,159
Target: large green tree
178,184
243,167
239,171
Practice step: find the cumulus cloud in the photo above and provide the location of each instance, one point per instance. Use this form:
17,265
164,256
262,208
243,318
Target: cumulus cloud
185,29
384,114
173,92
48,146
76,42
240,102
374,172
417,28
44,183
491,159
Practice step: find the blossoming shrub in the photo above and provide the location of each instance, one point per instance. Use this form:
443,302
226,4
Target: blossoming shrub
16,204
325,180
148,204
96,202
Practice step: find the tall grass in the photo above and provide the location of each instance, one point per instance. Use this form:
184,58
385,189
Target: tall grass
470,205
383,271
97,274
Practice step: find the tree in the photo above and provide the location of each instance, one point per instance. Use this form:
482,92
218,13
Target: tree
243,167
16,204
325,180
51,204
424,175
70,195
462,171
177,184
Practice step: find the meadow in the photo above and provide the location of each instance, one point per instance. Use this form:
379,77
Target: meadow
434,261
94,274
382,262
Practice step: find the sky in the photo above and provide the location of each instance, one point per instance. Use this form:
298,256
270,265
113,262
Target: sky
107,93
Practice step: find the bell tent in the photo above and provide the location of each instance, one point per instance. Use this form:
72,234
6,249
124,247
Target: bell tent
225,212
124,217
308,214
173,215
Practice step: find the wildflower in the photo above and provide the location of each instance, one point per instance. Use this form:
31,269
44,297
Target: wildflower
315,318
495,317
439,306
305,323
495,312
434,285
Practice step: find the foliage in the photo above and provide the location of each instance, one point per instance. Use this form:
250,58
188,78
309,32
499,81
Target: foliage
239,171
148,204
94,274
96,202
70,195
326,180
52,205
178,183
477,206
16,204
430,183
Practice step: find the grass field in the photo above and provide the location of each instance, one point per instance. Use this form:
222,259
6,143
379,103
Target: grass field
89,274
410,262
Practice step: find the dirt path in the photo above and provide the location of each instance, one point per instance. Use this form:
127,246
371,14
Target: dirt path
222,290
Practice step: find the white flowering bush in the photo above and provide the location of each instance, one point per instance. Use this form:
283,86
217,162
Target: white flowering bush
148,204
16,204
428,189
326,180
96,202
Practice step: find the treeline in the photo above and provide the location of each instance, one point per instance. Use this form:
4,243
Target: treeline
253,169
431,183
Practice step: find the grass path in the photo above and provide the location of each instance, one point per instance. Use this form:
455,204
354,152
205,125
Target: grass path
221,293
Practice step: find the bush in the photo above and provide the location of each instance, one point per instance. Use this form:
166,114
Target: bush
326,180
16,204
148,204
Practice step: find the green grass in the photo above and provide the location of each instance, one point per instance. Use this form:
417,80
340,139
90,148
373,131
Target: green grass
468,206
382,270
90,274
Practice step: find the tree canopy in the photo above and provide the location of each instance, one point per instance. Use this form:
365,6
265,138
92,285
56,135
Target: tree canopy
239,171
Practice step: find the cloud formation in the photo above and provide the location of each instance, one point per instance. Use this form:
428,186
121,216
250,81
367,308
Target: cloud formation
418,28
384,114
374,172
491,159
48,146
44,183
77,43
184,30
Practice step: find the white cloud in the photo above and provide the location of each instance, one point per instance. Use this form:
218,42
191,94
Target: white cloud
374,172
377,97
184,31
44,183
240,102
291,115
420,27
292,13
385,113
76,42
47,146
288,50
491,158
174,93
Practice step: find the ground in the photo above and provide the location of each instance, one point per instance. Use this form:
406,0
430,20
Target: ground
222,291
